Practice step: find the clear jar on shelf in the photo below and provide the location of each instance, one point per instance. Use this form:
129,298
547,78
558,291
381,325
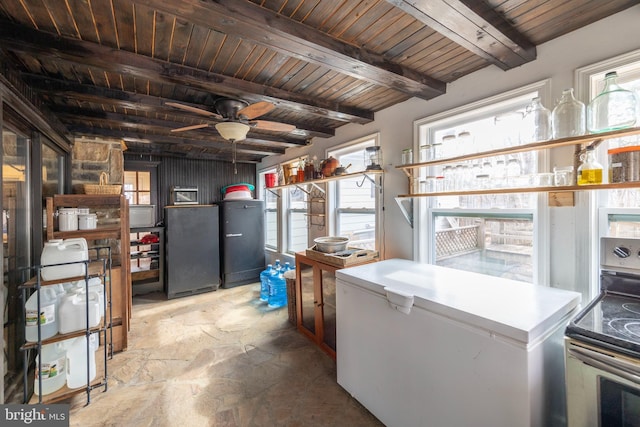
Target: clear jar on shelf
614,108
407,156
537,122
568,118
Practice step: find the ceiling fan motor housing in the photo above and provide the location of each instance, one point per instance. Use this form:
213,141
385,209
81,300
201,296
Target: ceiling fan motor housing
228,108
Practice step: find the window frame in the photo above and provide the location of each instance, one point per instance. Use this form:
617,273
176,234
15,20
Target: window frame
425,210
587,80
264,192
333,192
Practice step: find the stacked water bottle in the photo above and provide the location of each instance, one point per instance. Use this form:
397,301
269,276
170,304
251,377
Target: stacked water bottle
273,286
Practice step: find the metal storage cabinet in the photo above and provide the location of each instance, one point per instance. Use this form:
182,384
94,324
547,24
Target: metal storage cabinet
242,241
192,260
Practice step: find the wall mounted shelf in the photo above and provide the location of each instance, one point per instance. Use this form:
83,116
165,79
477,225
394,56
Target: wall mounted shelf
314,182
534,146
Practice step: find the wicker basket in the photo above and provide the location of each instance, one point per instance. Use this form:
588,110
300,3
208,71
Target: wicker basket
103,187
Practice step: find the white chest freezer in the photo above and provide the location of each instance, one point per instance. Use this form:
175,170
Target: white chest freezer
422,345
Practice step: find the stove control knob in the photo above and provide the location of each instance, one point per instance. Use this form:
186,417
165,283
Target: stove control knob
621,252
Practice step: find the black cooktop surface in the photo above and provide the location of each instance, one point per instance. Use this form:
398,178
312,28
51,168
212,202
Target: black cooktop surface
611,320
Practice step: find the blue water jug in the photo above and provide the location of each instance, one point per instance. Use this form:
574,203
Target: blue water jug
264,282
277,290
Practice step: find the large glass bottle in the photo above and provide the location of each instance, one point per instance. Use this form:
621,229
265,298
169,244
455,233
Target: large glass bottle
590,171
538,122
614,108
568,117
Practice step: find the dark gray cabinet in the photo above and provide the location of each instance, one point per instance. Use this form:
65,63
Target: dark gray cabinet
192,251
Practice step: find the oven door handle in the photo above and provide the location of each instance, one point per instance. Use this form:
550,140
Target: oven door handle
607,364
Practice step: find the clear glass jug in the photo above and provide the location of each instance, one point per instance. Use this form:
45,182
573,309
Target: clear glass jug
568,117
614,108
537,122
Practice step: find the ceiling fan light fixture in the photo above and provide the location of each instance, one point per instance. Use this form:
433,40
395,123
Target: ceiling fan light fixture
232,131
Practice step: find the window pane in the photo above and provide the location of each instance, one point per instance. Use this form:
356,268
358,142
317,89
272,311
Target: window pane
130,181
51,171
144,198
271,228
144,181
297,231
356,199
271,220
624,225
501,247
360,228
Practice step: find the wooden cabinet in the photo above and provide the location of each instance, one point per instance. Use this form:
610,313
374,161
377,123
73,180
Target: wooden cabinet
316,301
110,235
147,259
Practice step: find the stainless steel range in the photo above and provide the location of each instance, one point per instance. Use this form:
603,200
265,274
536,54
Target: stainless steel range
602,347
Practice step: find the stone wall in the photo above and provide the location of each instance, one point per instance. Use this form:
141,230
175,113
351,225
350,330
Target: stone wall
91,157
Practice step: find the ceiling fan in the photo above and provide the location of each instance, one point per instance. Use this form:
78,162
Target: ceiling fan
236,116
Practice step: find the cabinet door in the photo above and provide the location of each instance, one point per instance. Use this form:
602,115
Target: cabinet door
329,308
307,298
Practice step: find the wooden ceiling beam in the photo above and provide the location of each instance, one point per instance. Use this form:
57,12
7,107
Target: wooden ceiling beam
140,102
277,32
41,44
475,26
139,135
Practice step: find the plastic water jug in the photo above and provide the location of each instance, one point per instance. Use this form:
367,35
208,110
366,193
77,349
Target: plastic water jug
95,285
48,316
53,372
264,282
57,251
72,311
77,360
277,290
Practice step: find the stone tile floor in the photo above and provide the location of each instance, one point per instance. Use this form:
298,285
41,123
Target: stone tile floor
218,359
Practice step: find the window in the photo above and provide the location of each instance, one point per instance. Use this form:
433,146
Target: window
297,231
493,234
355,199
617,210
137,187
270,213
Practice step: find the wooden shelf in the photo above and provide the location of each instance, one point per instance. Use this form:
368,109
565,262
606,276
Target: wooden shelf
101,232
65,392
61,337
328,179
96,269
550,189
534,146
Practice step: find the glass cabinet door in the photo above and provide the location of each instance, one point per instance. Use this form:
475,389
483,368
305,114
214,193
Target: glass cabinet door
329,308
307,298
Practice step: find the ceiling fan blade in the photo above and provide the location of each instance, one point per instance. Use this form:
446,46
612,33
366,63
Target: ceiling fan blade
256,110
272,126
194,110
200,126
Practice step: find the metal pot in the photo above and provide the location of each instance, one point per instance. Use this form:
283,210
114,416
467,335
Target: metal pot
331,245
341,170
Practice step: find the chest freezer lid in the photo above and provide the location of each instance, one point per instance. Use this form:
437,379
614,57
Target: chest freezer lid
520,311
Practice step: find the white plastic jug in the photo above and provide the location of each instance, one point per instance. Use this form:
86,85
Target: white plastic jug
47,317
95,285
57,251
72,311
77,360
53,371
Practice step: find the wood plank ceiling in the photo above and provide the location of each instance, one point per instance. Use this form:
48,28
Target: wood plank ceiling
117,68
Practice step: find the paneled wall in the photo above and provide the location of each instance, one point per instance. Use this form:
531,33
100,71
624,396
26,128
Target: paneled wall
210,176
